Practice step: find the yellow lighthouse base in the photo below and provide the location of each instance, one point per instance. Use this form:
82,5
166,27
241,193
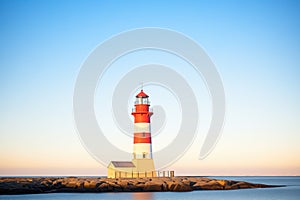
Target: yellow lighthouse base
145,167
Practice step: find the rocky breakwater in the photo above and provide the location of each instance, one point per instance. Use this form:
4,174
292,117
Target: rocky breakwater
79,184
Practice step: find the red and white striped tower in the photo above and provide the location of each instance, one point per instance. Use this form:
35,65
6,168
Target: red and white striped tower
142,147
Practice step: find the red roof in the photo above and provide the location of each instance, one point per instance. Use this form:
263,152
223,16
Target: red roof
142,94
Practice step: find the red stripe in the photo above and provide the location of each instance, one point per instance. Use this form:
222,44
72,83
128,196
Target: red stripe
141,113
142,108
141,118
142,138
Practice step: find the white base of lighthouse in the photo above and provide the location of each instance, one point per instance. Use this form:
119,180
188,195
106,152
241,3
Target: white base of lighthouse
146,166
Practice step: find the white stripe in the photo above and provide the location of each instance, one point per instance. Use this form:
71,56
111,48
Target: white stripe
142,148
142,127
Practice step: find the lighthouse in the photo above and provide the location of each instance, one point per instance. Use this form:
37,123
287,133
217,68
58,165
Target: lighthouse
142,145
142,164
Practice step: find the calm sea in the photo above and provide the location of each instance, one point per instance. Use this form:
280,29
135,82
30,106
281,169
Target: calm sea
291,191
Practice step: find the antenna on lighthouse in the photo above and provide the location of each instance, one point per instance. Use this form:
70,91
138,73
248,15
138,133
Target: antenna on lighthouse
142,85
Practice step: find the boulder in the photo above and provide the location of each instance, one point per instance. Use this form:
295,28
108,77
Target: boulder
115,187
181,187
242,185
72,184
221,182
104,187
123,183
211,185
164,186
152,186
139,187
170,185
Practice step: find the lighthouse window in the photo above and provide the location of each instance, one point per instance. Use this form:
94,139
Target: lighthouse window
146,101
140,100
144,135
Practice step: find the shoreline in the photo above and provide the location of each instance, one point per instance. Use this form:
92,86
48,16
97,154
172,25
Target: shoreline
39,185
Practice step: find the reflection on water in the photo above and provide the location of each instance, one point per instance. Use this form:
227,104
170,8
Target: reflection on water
142,195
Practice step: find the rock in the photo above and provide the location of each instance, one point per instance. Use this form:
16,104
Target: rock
131,188
211,185
90,185
242,185
80,184
221,182
46,183
140,186
115,187
201,179
198,185
103,187
123,183
228,185
181,187
170,185
186,181
73,184
164,186
153,186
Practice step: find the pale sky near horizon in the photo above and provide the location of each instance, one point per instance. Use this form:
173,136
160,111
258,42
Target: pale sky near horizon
255,46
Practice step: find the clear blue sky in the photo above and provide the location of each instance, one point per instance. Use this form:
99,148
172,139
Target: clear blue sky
255,46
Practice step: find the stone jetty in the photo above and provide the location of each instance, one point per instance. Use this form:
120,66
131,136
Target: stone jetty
80,184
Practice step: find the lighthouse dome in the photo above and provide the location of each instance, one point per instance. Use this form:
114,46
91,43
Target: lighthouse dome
142,94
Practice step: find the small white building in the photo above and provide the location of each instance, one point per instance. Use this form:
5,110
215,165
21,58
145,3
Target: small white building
120,169
131,169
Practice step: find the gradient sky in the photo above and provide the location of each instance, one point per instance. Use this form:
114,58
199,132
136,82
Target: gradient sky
255,46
